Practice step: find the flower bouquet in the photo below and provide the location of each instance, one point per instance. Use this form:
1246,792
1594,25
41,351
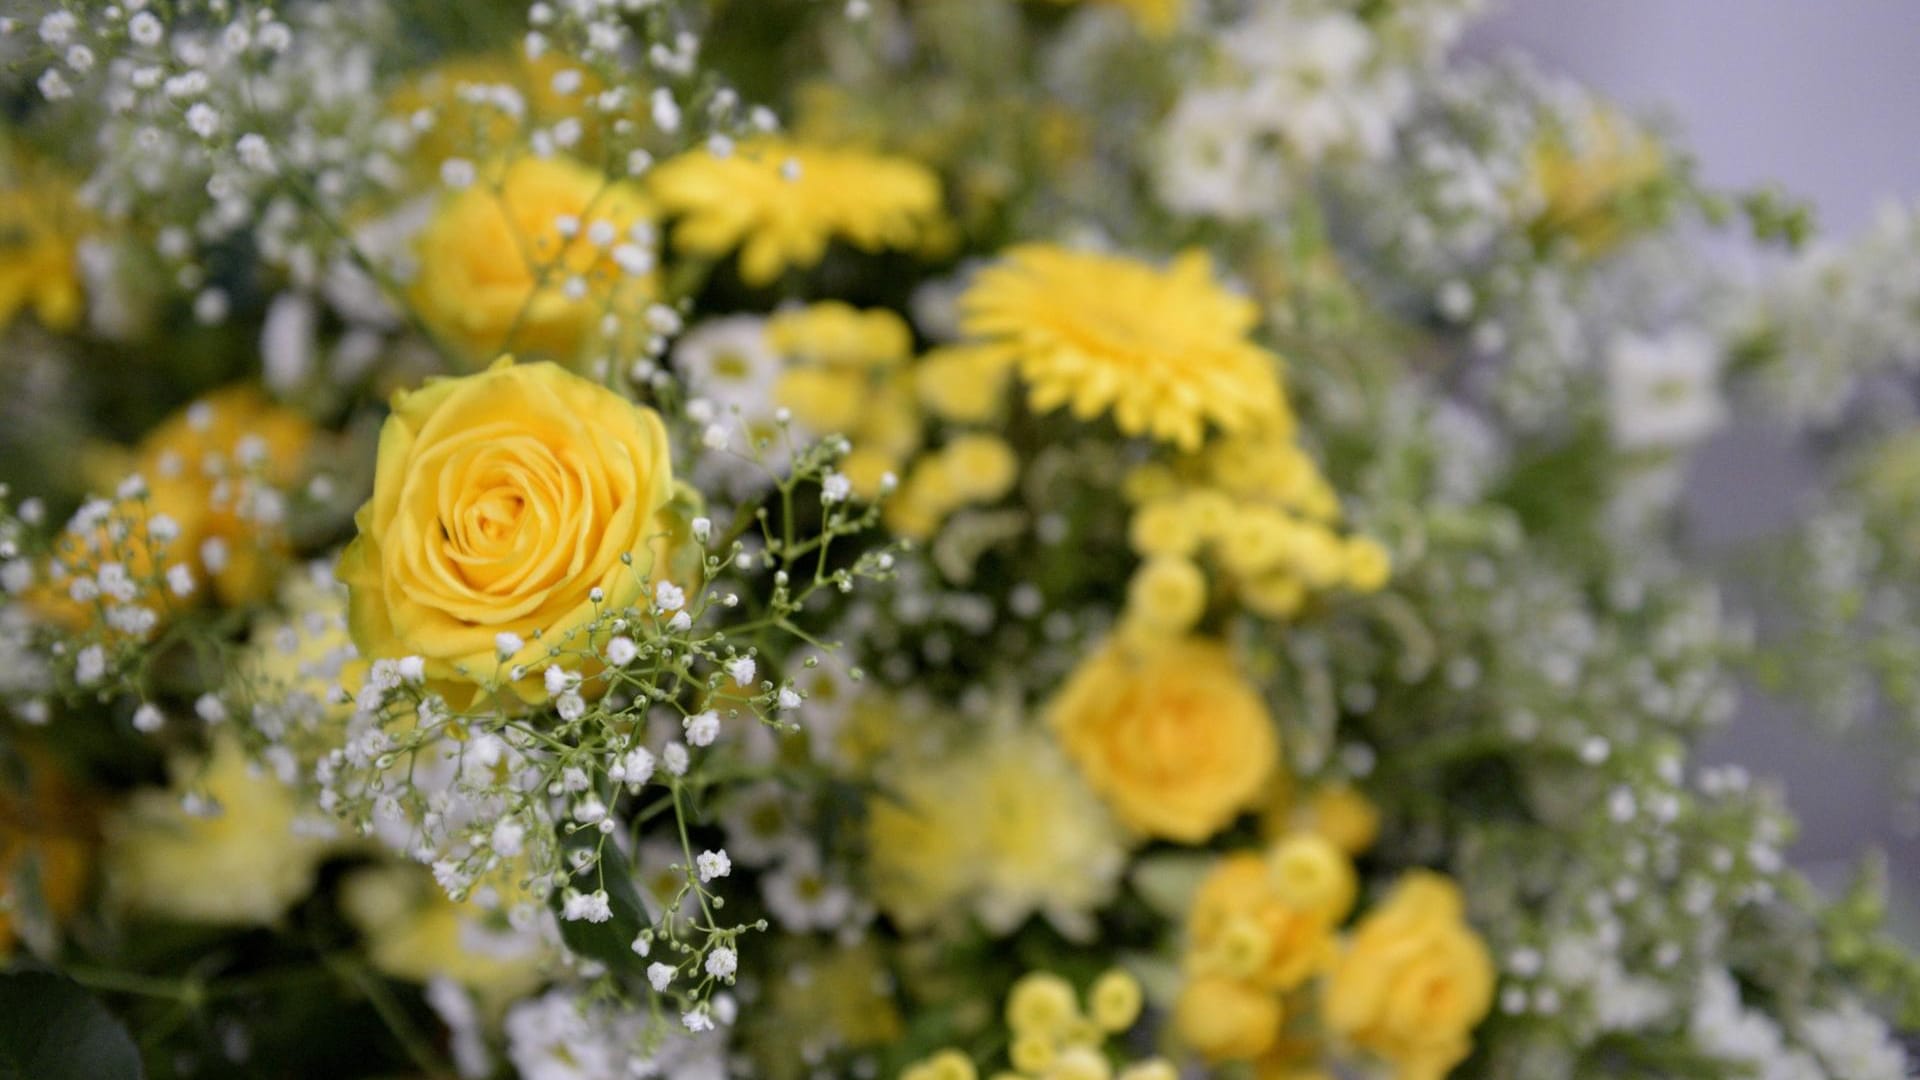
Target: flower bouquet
911,538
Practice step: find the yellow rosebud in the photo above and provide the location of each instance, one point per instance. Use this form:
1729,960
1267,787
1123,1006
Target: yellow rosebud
1225,1020
1311,874
1414,981
1115,1000
1368,566
1167,594
1041,1002
1341,814
1173,736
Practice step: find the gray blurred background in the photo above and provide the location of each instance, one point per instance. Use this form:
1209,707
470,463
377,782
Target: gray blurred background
1824,97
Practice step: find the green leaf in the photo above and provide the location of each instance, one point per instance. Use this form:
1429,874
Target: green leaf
51,1029
610,942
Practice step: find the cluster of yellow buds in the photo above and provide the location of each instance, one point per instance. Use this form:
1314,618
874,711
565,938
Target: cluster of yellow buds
1257,511
1054,1038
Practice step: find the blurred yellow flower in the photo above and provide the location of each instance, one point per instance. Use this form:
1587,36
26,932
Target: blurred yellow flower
471,541
47,840
224,844
530,257
1225,1020
415,932
964,384
1414,980
1165,351
1587,179
1003,829
969,470
41,225
780,203
1172,735
1242,926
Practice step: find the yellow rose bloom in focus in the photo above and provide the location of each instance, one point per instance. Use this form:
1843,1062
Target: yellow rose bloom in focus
241,857
1414,981
530,256
1173,736
501,502
780,203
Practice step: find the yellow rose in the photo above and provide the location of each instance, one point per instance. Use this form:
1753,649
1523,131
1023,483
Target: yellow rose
501,502
1240,926
1172,736
1224,1020
1414,981
531,259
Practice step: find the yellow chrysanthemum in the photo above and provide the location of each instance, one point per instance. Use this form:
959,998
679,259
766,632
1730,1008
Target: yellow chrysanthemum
1004,829
415,932
1164,350
243,859
40,230
781,203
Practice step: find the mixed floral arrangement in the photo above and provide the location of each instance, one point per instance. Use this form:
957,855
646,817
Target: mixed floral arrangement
912,538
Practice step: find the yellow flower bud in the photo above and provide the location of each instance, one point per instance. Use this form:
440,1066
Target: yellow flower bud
1080,1063
1032,1052
950,1065
1311,874
1041,1002
1164,527
1368,566
1115,1000
1167,593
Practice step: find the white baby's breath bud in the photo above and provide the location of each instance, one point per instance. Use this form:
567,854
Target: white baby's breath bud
506,643
666,111
90,665
145,29
590,907
621,650
680,623
570,705
722,962
702,529
275,37
643,943
638,162
741,670
457,173
507,837
210,709
713,864
412,669
636,766
54,86
255,153
669,597
715,437
180,579
697,1020
148,718
788,699
674,757
80,59
660,976
702,727
203,119
589,810
57,28
835,488
558,680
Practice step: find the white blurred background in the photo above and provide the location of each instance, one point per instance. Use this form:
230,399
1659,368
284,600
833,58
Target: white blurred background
1822,96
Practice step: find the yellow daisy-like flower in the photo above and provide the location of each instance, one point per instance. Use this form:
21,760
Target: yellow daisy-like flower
781,203
1164,350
